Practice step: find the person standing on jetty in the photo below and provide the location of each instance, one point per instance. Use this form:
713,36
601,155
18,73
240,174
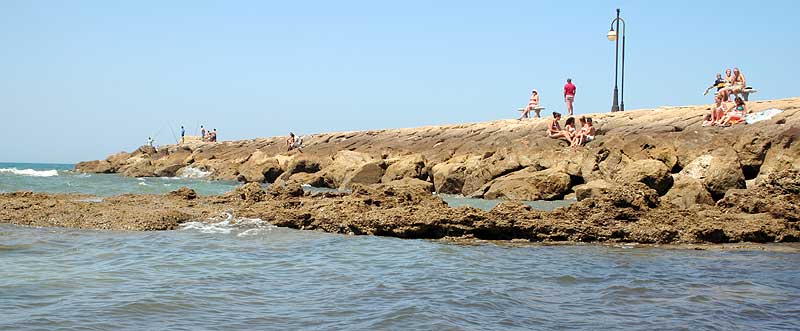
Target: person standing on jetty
183,133
202,133
533,104
569,94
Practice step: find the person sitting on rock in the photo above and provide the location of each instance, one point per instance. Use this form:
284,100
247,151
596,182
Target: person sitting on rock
533,104
736,114
554,129
719,83
585,134
294,142
569,129
717,112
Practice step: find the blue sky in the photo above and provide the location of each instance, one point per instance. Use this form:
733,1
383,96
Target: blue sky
83,79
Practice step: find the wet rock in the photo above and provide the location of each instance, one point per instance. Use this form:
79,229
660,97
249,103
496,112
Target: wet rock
289,190
251,192
184,193
168,171
99,167
778,196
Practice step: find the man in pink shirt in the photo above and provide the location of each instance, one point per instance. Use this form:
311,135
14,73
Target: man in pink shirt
569,94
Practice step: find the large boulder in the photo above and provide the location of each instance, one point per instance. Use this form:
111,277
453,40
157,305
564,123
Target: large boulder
168,171
367,173
267,171
687,192
478,172
653,173
300,165
98,167
719,171
448,177
344,162
140,168
411,166
529,184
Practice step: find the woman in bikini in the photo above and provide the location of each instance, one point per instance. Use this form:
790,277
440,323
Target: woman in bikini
717,112
578,137
569,129
736,114
533,104
554,129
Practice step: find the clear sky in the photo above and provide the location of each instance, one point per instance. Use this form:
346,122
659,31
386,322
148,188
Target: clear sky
83,79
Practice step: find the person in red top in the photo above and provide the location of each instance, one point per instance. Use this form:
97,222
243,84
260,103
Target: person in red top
569,94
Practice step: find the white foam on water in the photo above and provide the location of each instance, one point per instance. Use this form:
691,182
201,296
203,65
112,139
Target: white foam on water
30,172
191,172
143,184
229,224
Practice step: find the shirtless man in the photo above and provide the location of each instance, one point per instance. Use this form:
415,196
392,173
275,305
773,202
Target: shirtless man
569,94
533,104
738,82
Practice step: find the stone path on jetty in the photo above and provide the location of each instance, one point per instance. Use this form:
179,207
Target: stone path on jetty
650,176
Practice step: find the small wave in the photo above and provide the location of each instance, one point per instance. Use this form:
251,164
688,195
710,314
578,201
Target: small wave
191,172
30,172
227,224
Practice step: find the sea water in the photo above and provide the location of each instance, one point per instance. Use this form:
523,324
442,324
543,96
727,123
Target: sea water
233,273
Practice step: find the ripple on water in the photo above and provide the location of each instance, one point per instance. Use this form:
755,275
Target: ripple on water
236,273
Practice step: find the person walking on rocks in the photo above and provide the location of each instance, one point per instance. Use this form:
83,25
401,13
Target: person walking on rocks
569,94
202,133
183,133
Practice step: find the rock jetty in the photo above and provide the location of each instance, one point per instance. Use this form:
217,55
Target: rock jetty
654,176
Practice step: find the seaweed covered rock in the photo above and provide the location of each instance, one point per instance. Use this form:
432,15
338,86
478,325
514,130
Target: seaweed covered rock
778,195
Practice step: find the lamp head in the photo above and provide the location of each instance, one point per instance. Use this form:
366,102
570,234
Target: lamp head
612,35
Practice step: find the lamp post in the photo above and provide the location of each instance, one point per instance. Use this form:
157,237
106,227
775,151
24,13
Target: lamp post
612,36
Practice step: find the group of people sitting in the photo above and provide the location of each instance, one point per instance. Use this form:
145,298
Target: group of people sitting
733,83
574,135
209,136
724,112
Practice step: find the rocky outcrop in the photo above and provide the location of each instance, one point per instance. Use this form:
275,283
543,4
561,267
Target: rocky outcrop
630,212
654,147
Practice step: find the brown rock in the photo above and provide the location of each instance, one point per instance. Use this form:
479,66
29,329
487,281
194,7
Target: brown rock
688,192
184,193
412,166
99,167
250,192
367,173
530,185
653,173
594,189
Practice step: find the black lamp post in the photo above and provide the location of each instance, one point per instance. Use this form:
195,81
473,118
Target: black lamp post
612,36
